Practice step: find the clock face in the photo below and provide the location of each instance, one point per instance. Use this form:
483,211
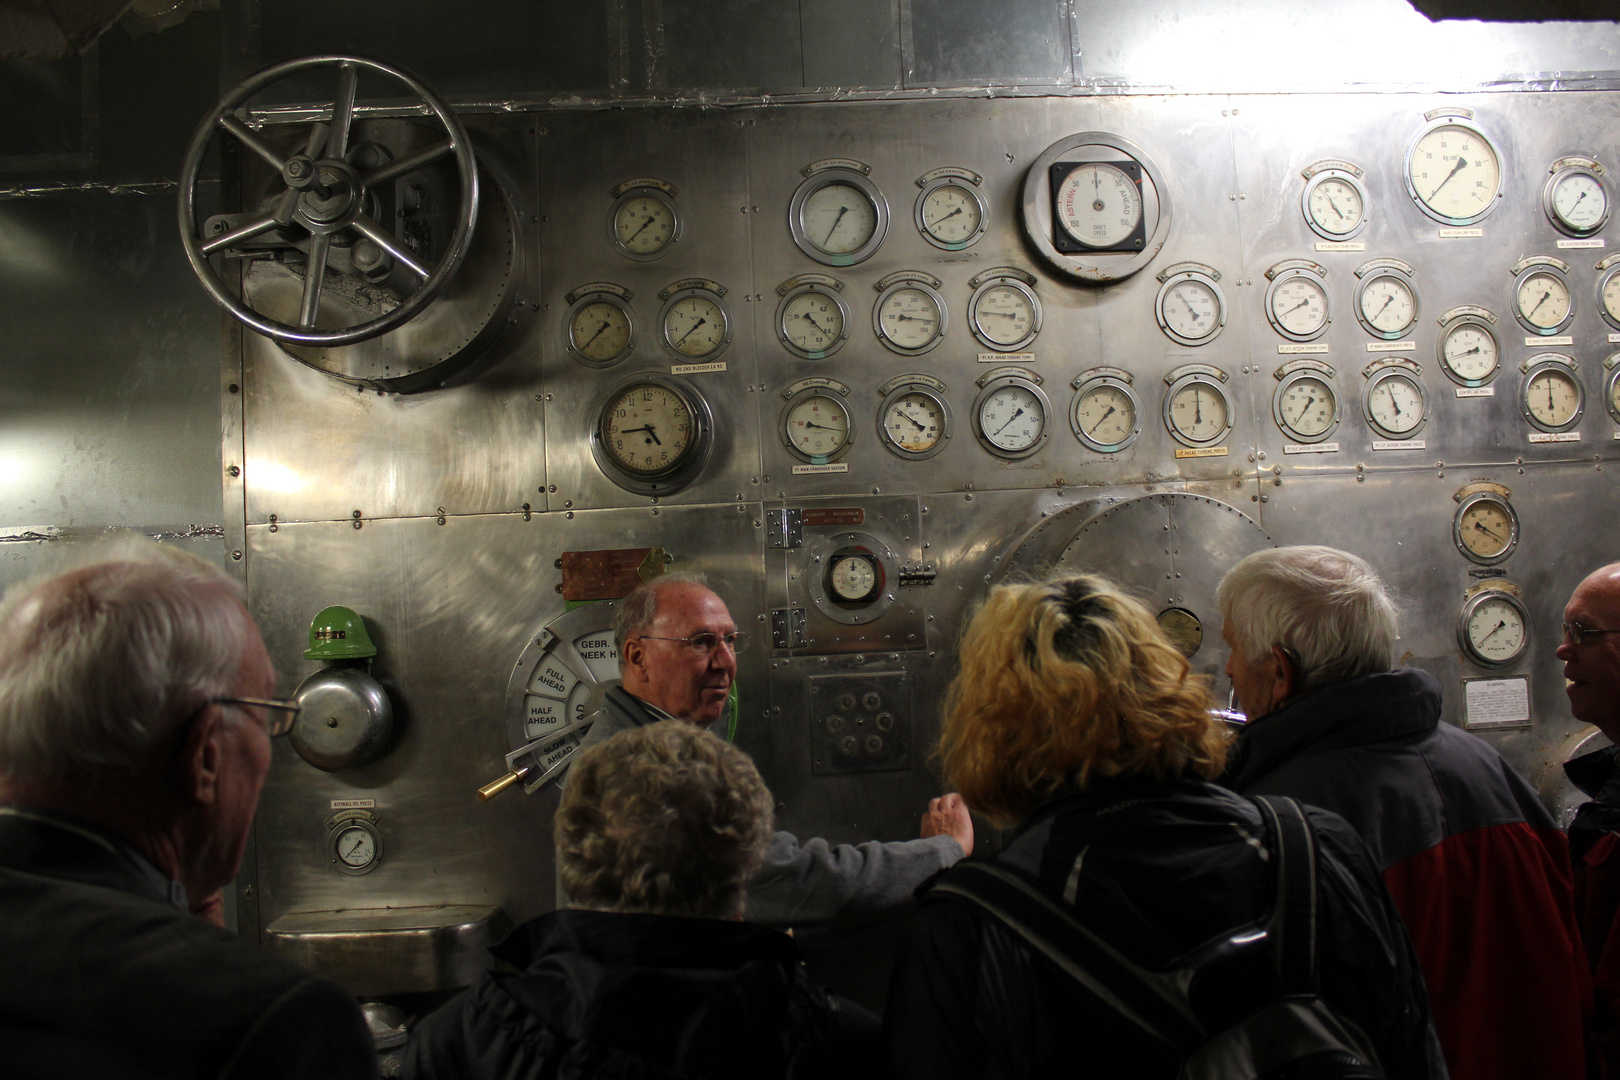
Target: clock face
647,429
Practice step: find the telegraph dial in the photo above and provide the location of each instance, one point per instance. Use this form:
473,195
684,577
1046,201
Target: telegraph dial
350,228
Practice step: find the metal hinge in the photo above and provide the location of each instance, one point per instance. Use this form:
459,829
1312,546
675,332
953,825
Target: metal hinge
785,528
922,574
787,628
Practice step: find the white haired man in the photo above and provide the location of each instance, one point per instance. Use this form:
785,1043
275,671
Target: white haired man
651,972
135,727
678,650
1476,865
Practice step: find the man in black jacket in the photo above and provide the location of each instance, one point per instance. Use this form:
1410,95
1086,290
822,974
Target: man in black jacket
652,973
135,727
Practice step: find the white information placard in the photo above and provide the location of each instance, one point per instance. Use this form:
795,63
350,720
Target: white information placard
1494,703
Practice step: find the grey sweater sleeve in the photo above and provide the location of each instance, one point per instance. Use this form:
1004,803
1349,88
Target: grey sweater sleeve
814,882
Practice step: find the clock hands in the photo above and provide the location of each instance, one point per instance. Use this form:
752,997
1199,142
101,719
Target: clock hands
648,428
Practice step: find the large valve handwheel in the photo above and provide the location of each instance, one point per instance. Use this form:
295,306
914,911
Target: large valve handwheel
320,200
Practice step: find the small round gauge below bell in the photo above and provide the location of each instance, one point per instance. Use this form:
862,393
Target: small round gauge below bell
346,719
854,578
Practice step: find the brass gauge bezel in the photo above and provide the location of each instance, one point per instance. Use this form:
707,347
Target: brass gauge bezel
1018,286
967,188
1473,604
1611,387
1319,283
1467,504
1210,382
576,350
685,468
1091,386
1554,274
1349,180
1465,124
1452,327
1612,274
815,289
1205,281
1292,379
1402,375
893,398
1002,382
728,327
1551,362
657,196
940,309
1401,279
851,178
1549,191
823,393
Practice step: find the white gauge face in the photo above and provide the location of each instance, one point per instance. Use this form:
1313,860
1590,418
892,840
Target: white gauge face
1579,201
1611,297
1552,397
1455,172
909,319
1470,353
644,225
1614,397
812,322
1012,418
817,426
355,847
600,331
1098,205
1388,304
950,214
1485,528
1396,404
1198,412
1336,206
1299,306
1496,630
853,578
695,326
1191,310
838,219
1004,315
1106,414
1543,300
647,429
1307,407
914,422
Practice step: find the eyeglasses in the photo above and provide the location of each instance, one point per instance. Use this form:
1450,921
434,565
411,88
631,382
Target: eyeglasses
1576,634
704,644
284,711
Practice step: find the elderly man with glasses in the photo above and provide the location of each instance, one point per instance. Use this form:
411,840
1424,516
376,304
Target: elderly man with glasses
678,649
1590,650
135,728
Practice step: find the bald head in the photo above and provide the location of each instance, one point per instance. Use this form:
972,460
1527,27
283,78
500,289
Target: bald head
655,623
1591,655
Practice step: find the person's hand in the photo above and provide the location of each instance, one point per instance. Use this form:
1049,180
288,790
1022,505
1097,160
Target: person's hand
948,815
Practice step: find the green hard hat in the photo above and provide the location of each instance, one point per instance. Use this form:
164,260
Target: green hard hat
339,634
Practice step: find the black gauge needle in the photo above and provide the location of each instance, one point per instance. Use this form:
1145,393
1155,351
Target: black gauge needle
1457,355
947,217
651,434
1532,312
1002,314
1335,206
1577,202
1394,402
915,318
823,427
1489,532
1010,419
1099,423
1198,406
1296,307
1550,405
815,324
1462,163
594,336
638,232
1388,300
1304,409
912,422
842,210
359,842
688,334
1492,634
1195,316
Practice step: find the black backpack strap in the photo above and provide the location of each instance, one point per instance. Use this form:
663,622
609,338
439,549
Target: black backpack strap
1293,919
1156,1002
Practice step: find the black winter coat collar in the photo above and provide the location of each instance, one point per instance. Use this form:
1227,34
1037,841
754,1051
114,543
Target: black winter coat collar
1597,774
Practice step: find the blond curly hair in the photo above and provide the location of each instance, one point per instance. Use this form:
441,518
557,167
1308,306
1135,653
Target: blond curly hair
1067,680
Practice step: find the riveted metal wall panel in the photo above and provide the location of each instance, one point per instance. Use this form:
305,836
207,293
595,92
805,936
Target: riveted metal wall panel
955,42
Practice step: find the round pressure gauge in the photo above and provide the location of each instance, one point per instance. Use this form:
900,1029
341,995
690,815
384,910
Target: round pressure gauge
1099,205
652,434
838,217
1608,291
1552,398
1197,410
644,224
1576,201
812,321
694,325
1541,301
1386,304
1611,392
1190,307
1004,314
1297,305
1395,403
1493,628
601,329
854,577
1106,414
1453,171
951,214
1469,352
1335,204
914,421
1485,528
815,426
909,317
1010,417
1305,406
354,846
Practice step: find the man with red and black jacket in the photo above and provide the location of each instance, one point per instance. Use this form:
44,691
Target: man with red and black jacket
1476,865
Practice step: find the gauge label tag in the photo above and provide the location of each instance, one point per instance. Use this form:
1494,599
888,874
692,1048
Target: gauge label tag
1476,391
1590,242
697,369
1302,350
839,516
1495,703
1614,339
354,804
1535,342
1341,245
1391,346
1555,436
1400,444
1004,357
1311,448
1461,234
835,467
1201,451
